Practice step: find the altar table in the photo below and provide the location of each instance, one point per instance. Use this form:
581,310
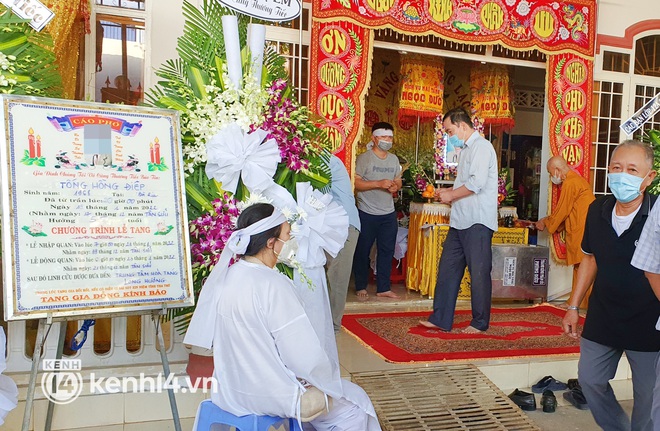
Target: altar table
427,230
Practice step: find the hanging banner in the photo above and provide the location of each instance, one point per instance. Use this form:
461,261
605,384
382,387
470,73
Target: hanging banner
570,85
457,84
547,25
340,70
422,87
491,94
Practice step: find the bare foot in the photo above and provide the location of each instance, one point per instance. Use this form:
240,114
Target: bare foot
472,330
427,324
362,294
563,305
388,294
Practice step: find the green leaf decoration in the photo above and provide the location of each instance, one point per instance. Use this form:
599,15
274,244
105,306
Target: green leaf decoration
32,67
653,138
35,234
351,83
466,27
167,230
351,108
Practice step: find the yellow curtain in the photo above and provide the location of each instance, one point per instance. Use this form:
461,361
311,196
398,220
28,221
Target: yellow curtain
422,87
70,23
492,94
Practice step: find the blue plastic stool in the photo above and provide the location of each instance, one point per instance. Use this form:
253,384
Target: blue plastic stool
209,414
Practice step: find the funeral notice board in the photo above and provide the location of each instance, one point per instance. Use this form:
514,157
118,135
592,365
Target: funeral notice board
93,209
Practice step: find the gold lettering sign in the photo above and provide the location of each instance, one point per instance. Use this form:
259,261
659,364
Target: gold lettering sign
334,42
544,24
575,72
335,137
573,154
333,74
574,100
492,16
380,5
331,106
440,10
573,128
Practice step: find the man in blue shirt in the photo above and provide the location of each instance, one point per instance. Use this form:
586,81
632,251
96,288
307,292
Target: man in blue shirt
339,268
473,221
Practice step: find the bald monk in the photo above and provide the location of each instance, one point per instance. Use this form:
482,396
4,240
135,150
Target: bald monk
570,213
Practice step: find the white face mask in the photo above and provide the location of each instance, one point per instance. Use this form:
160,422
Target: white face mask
556,180
288,252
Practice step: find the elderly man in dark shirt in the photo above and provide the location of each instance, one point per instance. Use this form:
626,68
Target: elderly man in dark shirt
623,308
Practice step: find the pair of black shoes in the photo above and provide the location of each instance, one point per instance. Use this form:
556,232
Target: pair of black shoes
527,401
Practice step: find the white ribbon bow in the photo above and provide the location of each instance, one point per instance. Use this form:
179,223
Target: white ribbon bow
233,154
324,226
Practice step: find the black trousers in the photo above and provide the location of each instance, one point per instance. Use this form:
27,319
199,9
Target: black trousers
469,247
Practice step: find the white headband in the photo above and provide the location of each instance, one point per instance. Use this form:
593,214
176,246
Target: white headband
382,132
201,329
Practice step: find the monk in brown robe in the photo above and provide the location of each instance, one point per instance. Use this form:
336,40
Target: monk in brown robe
570,213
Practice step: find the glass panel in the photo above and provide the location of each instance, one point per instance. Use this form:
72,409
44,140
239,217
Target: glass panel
603,127
607,86
125,4
605,102
120,52
599,182
647,56
601,156
618,88
617,105
614,131
616,61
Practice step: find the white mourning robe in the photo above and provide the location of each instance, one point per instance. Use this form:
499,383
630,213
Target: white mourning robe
263,343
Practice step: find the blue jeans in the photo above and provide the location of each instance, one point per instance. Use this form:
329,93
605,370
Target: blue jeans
382,229
471,247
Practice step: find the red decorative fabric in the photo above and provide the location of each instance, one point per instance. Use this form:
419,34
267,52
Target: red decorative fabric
550,26
514,332
570,85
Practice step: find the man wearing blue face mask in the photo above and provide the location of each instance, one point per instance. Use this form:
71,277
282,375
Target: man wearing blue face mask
377,176
623,309
473,221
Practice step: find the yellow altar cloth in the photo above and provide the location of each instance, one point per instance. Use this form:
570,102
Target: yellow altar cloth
427,231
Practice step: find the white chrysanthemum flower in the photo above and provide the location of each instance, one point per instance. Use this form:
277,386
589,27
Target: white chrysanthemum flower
302,214
254,198
290,215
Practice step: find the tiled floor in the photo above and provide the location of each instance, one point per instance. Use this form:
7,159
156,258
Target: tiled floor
150,413
506,374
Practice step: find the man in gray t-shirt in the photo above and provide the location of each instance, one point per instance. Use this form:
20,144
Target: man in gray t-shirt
377,177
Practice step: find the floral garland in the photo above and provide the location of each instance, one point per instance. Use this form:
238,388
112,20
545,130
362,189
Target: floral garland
505,192
214,113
